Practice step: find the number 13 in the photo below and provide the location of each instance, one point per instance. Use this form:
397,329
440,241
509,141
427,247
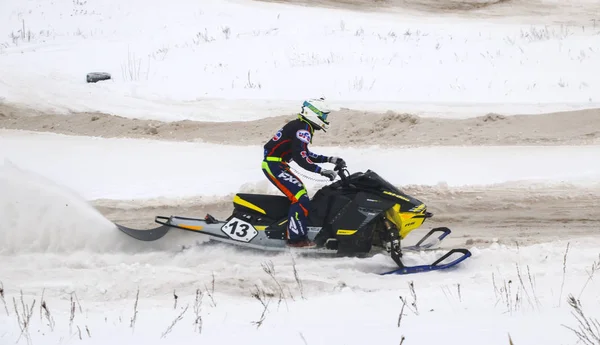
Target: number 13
243,228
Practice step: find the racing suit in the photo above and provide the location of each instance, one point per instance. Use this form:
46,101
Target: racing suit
291,143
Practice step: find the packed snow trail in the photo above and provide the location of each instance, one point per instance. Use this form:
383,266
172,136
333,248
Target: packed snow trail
98,168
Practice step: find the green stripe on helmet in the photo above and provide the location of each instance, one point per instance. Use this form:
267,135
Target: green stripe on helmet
319,113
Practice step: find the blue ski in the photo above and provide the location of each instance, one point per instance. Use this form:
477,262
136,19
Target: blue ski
435,265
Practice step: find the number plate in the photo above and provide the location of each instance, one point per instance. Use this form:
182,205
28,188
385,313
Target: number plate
239,230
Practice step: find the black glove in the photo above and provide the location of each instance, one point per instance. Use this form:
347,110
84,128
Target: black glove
336,161
329,173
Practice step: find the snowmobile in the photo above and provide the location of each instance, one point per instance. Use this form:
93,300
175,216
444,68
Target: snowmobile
359,213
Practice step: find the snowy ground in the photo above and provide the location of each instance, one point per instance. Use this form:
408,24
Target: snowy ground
111,168
520,193
55,242
177,60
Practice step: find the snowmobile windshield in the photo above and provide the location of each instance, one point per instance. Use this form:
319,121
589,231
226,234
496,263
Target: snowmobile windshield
372,180
384,183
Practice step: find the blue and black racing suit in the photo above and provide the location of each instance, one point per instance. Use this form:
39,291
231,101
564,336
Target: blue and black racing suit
291,143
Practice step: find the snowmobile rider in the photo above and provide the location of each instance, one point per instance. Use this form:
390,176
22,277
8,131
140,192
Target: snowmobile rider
291,143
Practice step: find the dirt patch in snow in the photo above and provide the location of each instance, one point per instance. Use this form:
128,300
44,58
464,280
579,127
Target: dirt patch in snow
540,11
349,127
509,213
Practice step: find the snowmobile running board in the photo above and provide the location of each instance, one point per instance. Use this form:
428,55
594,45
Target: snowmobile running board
159,232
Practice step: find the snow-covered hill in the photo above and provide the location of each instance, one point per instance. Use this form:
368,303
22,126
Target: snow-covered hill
176,60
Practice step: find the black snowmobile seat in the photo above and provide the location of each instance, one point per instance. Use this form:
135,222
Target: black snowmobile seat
274,206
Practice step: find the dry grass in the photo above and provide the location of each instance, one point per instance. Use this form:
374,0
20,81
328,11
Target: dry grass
177,319
135,311
264,299
198,310
23,314
588,329
2,298
564,274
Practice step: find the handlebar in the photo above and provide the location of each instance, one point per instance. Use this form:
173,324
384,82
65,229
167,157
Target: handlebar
342,171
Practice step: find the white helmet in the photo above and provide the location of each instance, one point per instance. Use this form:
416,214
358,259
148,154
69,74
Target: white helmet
315,111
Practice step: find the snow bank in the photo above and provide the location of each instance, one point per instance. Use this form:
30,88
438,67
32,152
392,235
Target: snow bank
138,169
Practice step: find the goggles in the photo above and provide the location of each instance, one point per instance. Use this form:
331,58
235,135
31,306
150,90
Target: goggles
321,114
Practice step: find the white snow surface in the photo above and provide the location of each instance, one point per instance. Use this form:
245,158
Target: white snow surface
181,59
236,60
98,168
54,243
